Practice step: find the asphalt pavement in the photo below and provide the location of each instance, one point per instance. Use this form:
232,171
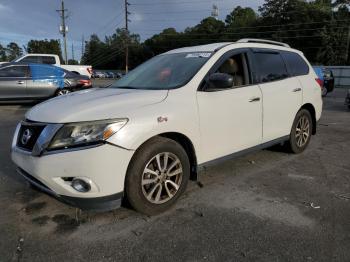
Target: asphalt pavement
265,206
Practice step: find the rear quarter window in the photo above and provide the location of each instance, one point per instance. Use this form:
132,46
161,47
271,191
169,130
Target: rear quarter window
296,64
49,60
270,66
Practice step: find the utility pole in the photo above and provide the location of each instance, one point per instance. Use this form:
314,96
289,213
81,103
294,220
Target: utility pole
73,52
82,46
64,29
127,36
347,47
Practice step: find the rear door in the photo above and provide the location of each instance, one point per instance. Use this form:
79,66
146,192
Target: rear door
13,82
44,80
282,93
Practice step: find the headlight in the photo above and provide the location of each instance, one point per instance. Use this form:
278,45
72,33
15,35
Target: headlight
85,133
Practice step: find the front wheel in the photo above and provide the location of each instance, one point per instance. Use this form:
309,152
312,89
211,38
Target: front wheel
301,132
157,176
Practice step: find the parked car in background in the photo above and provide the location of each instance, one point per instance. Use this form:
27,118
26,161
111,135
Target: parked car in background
347,99
326,79
143,137
118,75
98,74
110,74
54,60
20,82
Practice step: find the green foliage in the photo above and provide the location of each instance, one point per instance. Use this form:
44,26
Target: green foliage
51,46
13,51
319,28
73,62
3,56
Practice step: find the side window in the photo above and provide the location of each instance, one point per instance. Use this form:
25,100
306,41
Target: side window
236,66
13,71
30,59
270,66
296,64
49,60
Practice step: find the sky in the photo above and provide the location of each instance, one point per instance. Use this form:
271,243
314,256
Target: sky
22,20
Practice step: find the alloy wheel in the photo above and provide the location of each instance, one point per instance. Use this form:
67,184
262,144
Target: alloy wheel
161,178
63,92
302,131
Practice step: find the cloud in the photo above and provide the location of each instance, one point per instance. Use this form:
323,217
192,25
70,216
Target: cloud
4,7
137,17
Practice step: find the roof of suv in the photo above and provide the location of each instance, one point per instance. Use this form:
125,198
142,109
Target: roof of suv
242,43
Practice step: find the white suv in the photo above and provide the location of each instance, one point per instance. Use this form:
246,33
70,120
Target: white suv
146,135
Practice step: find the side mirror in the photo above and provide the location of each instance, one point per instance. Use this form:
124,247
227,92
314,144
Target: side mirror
219,81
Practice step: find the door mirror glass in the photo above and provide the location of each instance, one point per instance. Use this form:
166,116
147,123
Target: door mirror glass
219,81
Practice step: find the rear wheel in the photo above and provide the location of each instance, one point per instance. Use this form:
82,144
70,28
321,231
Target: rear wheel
301,132
62,91
157,176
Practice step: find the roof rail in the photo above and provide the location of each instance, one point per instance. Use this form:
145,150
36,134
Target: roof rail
262,41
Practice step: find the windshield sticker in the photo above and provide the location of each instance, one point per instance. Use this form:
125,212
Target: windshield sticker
196,55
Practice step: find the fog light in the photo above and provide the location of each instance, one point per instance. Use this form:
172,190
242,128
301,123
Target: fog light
81,185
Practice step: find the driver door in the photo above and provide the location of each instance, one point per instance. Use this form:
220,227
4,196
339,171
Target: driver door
13,82
230,119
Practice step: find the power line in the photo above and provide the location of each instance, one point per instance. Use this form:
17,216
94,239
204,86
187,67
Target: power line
177,2
239,33
268,26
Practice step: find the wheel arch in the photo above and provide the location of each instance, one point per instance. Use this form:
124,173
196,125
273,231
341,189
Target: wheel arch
309,107
187,145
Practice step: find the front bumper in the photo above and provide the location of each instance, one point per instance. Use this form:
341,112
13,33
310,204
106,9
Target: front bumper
95,204
103,166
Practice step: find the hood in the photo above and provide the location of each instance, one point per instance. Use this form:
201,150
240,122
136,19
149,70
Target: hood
94,104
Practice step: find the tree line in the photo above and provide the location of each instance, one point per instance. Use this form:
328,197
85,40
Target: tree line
319,28
12,51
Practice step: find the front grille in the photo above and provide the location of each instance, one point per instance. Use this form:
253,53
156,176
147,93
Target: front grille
28,135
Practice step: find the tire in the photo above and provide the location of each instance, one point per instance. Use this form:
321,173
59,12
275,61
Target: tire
140,183
324,91
63,91
303,120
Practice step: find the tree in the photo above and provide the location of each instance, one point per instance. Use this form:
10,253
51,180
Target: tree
13,51
3,56
51,46
73,62
241,17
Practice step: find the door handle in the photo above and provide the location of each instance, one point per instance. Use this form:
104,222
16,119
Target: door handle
255,99
20,82
297,89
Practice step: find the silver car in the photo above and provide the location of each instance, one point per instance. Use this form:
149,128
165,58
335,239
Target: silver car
37,81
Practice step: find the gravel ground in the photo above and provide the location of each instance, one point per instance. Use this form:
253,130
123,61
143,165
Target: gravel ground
266,206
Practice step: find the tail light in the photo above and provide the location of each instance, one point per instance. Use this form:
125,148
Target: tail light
89,69
319,82
85,82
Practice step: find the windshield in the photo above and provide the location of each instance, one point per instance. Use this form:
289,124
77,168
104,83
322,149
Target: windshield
166,71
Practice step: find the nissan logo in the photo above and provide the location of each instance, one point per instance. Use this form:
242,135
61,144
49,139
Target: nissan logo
27,134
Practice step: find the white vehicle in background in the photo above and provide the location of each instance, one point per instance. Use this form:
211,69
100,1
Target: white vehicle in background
54,60
143,137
